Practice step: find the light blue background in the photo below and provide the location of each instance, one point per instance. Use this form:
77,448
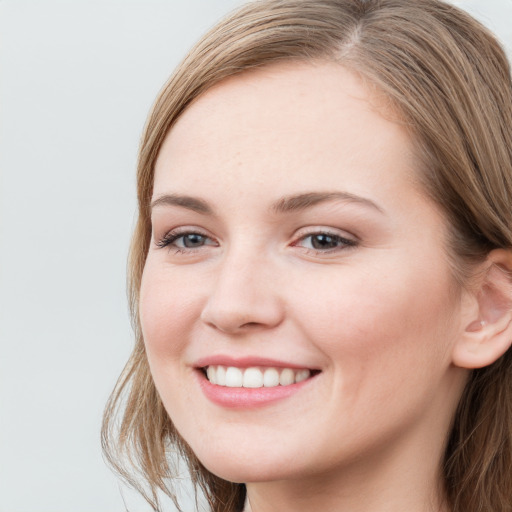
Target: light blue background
76,81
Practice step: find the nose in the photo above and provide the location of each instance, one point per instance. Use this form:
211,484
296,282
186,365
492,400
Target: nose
244,297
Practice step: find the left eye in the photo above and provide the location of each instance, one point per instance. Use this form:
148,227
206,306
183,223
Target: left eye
324,242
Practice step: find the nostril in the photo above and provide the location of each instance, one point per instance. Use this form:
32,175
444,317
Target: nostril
250,324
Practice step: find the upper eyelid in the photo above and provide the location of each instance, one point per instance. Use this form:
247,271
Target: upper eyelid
343,239
316,230
184,230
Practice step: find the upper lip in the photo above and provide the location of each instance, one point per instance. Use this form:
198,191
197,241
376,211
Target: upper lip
247,362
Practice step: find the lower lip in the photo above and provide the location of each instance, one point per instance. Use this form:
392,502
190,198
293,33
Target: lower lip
243,398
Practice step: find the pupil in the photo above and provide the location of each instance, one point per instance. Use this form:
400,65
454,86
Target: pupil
193,240
324,242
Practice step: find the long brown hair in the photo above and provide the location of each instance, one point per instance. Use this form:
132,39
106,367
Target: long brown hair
450,80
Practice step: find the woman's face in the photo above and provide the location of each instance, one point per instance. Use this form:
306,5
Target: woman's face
291,242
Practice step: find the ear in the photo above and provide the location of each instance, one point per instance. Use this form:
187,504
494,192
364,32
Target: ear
487,333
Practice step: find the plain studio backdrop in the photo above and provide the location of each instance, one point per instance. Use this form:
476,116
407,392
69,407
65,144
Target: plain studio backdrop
77,79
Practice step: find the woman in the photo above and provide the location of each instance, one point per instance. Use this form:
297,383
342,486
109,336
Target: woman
320,273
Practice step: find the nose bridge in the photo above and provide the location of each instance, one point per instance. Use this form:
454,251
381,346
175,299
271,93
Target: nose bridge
244,293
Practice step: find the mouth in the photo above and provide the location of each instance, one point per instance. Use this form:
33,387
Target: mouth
256,376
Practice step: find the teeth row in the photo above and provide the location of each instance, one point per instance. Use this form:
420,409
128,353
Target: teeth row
233,377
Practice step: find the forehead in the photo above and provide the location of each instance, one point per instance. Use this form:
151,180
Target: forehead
313,121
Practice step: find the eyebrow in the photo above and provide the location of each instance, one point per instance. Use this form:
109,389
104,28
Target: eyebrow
304,201
286,204
190,203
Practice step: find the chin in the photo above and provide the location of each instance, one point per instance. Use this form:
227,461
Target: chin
242,464
242,471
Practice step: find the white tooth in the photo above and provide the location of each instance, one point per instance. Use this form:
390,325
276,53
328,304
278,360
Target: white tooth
302,375
220,377
234,378
210,373
271,378
253,378
287,377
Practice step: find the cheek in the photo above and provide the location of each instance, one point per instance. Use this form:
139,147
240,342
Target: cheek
387,342
373,325
167,314
167,309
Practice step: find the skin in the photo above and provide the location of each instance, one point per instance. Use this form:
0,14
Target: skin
379,316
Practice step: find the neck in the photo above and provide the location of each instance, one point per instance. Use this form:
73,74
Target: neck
395,481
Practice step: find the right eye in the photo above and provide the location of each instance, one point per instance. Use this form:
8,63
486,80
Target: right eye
184,241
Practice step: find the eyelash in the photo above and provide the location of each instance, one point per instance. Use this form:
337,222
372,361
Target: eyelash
172,236
342,243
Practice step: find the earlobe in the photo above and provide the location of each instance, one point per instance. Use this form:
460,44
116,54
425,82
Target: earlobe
488,333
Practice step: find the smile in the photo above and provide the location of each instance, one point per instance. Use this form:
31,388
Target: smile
254,377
